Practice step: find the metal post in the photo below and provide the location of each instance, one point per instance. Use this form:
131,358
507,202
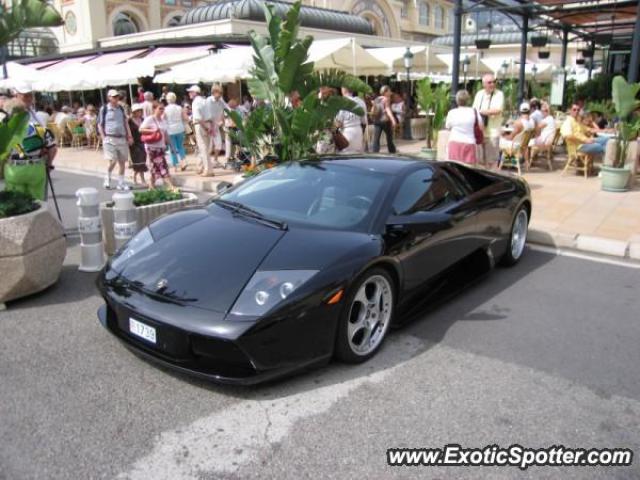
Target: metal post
457,34
523,58
591,62
90,229
632,74
563,64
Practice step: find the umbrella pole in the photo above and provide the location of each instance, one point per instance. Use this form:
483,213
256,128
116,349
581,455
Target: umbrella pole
101,96
83,101
353,54
131,94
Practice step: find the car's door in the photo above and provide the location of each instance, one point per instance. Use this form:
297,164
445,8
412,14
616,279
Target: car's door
428,229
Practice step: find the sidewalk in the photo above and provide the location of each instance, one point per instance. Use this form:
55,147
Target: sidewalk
568,211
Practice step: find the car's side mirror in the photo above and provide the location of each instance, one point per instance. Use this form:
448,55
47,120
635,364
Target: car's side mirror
418,222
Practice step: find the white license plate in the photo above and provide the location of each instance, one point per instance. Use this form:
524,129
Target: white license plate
142,330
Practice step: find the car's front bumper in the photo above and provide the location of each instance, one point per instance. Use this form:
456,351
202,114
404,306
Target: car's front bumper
205,344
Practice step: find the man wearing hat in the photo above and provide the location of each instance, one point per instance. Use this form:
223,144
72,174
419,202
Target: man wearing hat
489,102
203,126
116,137
521,126
26,168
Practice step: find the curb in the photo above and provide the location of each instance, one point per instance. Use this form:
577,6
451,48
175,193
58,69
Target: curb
587,243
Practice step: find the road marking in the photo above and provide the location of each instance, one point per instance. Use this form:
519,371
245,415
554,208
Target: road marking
583,256
222,442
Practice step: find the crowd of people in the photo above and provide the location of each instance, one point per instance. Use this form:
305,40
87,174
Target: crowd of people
479,134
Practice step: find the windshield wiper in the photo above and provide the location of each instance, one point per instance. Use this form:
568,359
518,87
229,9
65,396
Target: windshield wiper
241,209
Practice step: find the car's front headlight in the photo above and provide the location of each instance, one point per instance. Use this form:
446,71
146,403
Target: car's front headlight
268,288
139,242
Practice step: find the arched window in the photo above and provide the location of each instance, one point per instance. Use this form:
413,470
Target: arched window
124,24
439,17
423,13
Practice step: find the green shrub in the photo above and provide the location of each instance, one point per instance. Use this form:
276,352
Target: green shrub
16,203
159,195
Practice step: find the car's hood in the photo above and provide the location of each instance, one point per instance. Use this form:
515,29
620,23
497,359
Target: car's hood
201,257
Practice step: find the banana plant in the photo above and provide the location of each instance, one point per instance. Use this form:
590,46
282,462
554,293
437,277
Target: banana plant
434,101
626,103
282,69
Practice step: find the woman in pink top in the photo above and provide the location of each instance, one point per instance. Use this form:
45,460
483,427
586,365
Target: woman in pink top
461,121
156,151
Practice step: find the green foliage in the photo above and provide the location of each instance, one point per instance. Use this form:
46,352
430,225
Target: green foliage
16,203
625,100
510,91
433,100
605,107
598,88
570,92
12,130
281,69
26,14
159,195
541,91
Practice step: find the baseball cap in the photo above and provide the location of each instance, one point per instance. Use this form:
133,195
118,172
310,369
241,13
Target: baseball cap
194,88
113,93
525,107
22,86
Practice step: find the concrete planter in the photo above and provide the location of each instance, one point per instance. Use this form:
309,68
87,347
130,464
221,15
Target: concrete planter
144,216
428,153
32,250
631,163
442,145
615,179
418,128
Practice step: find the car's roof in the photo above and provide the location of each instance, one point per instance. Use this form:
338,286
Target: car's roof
390,164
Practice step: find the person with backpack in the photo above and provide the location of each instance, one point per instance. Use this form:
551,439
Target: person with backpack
383,120
116,138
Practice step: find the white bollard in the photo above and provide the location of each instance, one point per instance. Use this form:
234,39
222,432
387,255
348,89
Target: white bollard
125,224
90,228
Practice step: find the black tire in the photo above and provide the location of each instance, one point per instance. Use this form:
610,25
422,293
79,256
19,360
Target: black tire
511,256
343,348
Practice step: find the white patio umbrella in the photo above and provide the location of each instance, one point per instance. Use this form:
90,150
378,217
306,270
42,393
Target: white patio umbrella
393,58
347,55
127,73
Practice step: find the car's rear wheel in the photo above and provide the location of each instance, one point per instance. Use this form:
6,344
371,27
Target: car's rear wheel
517,239
366,316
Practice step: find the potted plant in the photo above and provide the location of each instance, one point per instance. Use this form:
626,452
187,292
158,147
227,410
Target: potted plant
435,102
615,178
544,54
32,243
149,205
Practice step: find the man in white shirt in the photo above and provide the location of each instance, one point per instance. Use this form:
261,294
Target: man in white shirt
489,102
216,106
201,116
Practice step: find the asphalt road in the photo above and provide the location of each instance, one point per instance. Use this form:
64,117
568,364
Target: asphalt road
541,354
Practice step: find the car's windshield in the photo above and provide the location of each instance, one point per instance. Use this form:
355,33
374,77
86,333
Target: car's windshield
324,194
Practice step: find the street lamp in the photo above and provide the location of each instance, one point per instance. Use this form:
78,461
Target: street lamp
465,68
408,64
534,70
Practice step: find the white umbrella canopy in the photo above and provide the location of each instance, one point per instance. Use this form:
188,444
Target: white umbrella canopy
18,73
476,65
227,65
77,76
494,64
393,58
347,55
127,73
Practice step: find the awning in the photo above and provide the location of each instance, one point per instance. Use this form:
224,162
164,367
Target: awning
127,73
164,56
18,73
69,61
114,58
44,64
78,76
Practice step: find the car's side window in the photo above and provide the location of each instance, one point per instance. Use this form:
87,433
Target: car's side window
423,191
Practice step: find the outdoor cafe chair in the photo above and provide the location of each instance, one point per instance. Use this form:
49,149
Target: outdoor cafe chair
77,133
57,134
516,155
581,162
546,149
